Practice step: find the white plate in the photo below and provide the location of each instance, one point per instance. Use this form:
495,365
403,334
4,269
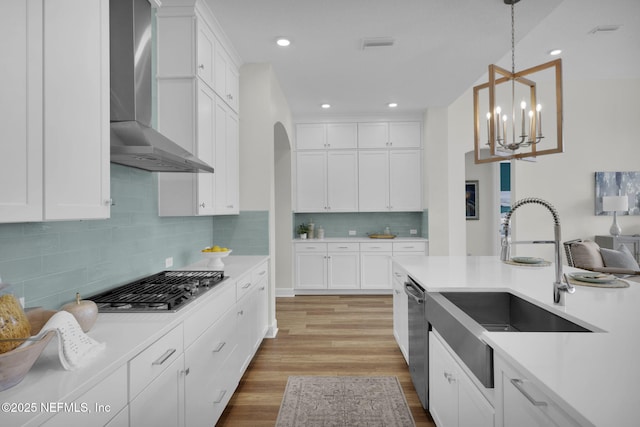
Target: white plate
593,277
527,260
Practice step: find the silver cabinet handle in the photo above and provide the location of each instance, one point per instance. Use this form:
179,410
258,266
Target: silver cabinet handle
164,357
262,273
450,377
246,286
519,384
185,372
202,205
201,66
219,347
220,397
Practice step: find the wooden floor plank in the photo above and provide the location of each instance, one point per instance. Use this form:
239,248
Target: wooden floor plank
321,335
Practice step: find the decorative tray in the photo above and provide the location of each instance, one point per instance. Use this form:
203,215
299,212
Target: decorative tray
381,236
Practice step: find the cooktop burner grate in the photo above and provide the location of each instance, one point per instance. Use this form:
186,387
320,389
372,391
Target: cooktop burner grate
164,291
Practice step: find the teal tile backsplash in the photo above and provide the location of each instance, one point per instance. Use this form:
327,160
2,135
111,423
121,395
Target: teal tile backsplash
47,262
245,234
339,224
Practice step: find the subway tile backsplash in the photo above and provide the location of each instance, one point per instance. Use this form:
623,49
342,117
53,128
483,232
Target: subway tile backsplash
339,224
48,262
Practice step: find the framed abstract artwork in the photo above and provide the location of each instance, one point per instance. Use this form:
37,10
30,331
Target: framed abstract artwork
471,197
617,184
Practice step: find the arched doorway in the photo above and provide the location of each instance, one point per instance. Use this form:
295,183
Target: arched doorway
282,211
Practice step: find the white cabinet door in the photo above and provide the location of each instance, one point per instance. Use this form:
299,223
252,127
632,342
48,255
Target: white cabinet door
376,270
226,77
162,402
206,138
21,111
342,181
373,135
405,135
76,86
342,135
453,398
47,85
373,181
311,181
311,136
311,270
206,51
344,270
405,180
400,312
443,385
226,160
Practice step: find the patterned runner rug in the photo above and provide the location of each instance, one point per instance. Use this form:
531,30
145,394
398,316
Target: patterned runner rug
344,401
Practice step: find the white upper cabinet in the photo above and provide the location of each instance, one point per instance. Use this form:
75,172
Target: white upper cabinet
320,136
327,181
389,135
226,77
55,110
197,108
206,53
386,176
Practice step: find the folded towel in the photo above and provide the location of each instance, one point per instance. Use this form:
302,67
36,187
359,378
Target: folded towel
75,348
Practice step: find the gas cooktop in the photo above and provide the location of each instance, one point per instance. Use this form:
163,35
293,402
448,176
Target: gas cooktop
167,291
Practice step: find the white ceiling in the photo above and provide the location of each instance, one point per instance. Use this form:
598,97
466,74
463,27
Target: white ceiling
442,47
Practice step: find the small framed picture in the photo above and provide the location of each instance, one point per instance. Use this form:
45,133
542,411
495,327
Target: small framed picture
471,196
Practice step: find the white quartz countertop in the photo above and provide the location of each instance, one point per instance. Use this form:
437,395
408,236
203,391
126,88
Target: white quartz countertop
596,374
125,335
360,240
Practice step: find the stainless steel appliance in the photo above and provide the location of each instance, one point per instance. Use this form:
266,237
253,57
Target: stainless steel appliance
418,340
133,141
167,291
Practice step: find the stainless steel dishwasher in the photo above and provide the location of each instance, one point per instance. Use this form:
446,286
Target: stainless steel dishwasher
418,340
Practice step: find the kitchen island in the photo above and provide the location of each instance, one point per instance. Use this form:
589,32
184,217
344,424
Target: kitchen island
124,382
594,377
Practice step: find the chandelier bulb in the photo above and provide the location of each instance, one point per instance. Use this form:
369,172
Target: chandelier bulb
538,107
523,105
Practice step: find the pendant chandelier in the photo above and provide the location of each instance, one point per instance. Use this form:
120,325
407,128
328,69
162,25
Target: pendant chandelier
508,110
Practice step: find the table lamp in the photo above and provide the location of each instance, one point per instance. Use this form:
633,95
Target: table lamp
615,204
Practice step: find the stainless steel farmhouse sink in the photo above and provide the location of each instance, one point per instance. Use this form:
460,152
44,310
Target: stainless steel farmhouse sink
461,318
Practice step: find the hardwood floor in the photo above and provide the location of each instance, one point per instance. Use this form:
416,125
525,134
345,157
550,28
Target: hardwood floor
321,335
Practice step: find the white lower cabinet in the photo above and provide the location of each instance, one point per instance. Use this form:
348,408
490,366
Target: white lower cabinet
400,311
162,401
375,262
454,400
208,386
521,403
104,403
348,265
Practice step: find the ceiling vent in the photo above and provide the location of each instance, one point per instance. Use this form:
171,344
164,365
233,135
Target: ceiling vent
377,42
605,29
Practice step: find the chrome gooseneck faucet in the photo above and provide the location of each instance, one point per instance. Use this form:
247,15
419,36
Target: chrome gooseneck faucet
559,287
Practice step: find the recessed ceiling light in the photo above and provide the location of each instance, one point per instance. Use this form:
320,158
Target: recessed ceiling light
283,42
325,106
555,52
392,104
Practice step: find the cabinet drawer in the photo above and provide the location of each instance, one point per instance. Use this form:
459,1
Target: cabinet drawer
311,247
103,401
409,247
154,360
260,272
243,286
376,247
343,247
207,315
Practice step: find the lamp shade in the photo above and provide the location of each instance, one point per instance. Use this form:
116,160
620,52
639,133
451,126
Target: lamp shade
615,203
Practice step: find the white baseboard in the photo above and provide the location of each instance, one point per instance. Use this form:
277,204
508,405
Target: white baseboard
287,293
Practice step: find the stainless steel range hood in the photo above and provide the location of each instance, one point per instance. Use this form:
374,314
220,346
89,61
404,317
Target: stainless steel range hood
133,142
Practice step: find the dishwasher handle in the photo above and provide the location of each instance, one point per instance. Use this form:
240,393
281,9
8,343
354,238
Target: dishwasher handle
416,294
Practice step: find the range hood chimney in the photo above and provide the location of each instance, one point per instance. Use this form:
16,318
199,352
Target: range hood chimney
133,142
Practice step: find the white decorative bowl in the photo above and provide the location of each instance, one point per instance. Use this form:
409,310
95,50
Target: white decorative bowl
215,259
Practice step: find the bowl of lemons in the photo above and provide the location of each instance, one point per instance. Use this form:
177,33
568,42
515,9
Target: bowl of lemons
215,254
